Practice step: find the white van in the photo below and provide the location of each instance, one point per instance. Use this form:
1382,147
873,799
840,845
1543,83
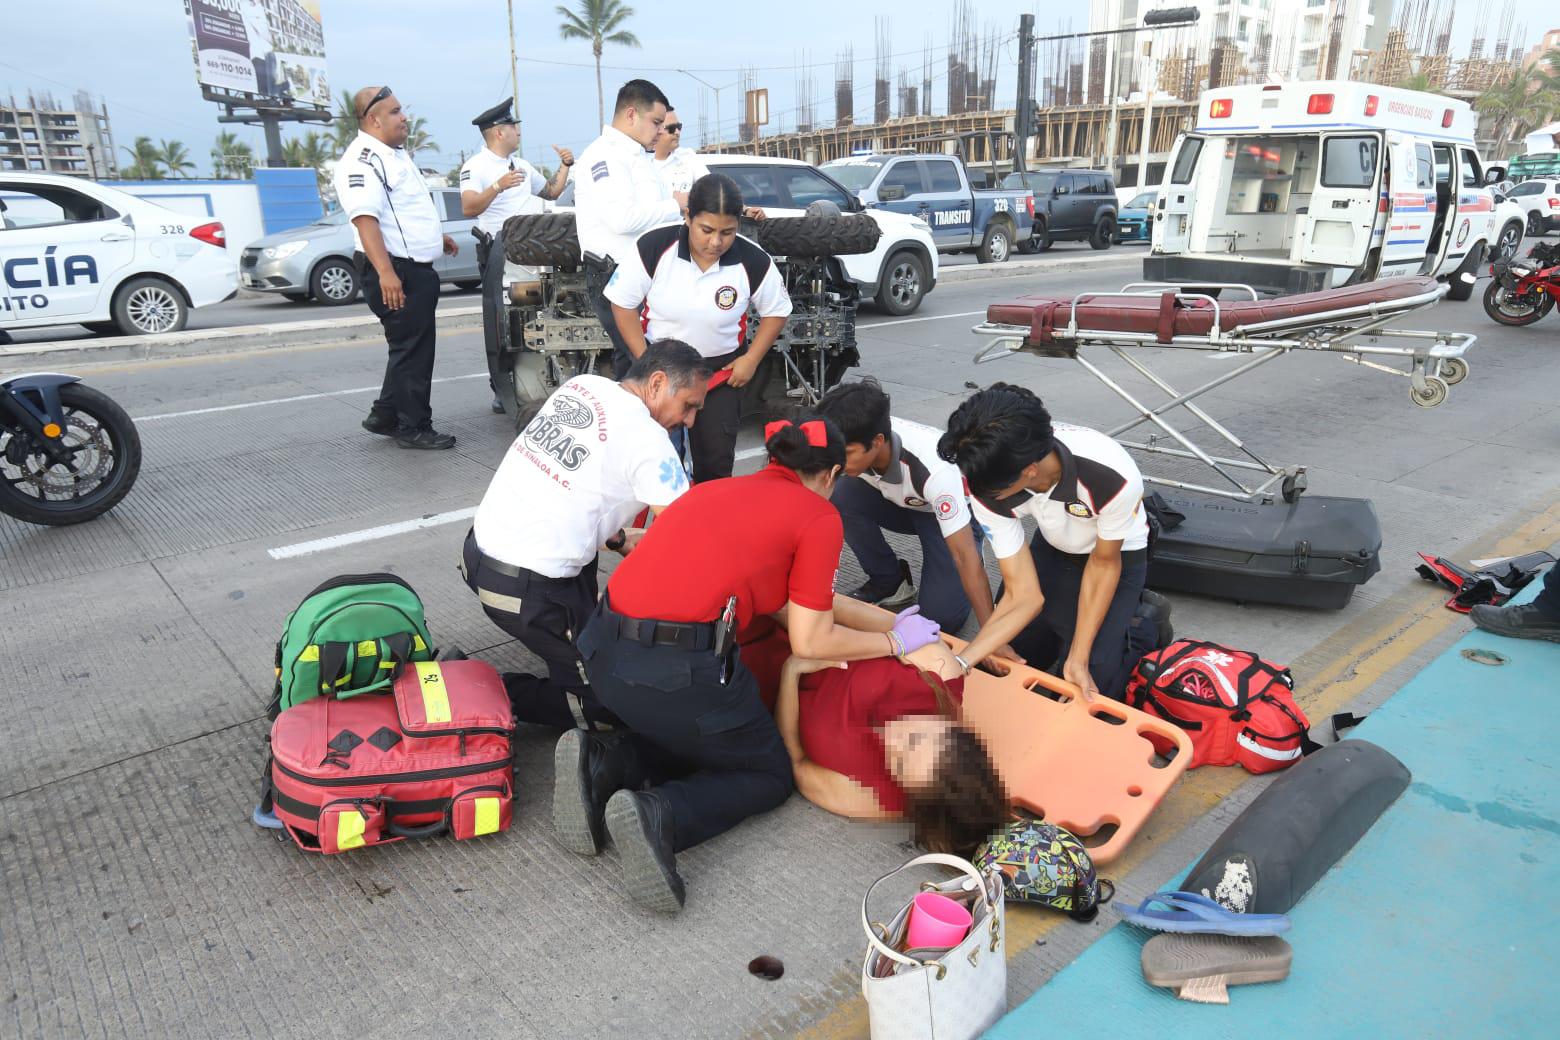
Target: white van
1297,187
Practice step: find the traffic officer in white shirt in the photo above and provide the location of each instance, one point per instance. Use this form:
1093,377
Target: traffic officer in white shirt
677,166
894,481
496,184
594,456
694,282
617,196
1076,595
398,237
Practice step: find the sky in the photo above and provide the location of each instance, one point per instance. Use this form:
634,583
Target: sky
449,60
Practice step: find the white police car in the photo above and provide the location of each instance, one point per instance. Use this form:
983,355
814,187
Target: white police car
76,252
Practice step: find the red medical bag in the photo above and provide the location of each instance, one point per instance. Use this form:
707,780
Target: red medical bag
430,756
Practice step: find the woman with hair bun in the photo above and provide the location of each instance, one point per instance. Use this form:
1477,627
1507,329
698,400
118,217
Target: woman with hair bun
695,282
699,752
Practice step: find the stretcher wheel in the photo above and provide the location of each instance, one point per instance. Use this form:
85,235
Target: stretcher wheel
1454,371
1434,393
1292,486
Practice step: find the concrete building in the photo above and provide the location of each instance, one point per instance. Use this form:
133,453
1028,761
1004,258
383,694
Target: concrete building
1274,39
41,135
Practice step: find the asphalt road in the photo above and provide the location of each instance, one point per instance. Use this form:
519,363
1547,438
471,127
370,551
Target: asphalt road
139,655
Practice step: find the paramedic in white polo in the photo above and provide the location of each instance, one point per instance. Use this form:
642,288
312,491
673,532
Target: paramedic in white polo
398,237
1072,598
694,282
593,457
618,196
894,481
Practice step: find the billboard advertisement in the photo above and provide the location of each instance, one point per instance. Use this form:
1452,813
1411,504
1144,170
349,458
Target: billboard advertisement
272,49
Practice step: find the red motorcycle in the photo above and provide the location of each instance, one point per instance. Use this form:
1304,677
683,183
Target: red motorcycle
1523,290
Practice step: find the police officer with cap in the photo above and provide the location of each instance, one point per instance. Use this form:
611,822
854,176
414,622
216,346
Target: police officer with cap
496,184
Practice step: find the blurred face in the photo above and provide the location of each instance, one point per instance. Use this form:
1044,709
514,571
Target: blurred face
912,748
673,408
389,122
503,139
644,125
709,236
860,457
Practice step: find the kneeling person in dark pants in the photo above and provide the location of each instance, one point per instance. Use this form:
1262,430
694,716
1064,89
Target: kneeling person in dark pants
894,481
1073,596
594,455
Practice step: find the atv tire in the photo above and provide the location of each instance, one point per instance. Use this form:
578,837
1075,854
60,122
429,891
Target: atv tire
842,235
542,240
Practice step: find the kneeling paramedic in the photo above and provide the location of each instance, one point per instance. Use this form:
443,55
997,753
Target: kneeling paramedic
1074,595
701,753
594,455
894,481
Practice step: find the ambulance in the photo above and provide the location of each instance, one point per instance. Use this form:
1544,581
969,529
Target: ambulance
1297,187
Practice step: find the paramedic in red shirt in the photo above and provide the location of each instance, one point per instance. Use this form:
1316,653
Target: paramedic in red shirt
701,754
881,739
696,282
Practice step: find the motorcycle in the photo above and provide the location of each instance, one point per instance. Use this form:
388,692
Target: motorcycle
1521,291
68,453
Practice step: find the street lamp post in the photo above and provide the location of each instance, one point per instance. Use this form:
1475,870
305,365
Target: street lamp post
717,91
1152,20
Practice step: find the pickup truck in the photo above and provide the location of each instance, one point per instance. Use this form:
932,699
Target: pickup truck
937,189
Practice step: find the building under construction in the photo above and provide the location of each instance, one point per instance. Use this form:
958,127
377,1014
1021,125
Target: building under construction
1090,91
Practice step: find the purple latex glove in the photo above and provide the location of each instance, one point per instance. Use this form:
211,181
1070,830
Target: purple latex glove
914,630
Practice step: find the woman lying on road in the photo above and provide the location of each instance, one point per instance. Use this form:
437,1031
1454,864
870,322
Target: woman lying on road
880,739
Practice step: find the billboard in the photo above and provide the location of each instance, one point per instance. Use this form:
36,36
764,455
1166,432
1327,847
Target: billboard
271,49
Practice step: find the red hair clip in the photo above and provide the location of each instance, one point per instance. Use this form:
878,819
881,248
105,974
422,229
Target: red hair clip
813,429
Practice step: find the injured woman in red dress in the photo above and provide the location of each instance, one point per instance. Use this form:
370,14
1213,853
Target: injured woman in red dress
881,739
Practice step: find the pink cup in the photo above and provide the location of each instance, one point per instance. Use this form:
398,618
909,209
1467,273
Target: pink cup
936,922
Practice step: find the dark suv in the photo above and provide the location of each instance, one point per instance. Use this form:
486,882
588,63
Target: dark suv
1071,205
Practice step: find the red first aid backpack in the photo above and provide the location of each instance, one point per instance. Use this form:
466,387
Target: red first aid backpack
1236,707
429,756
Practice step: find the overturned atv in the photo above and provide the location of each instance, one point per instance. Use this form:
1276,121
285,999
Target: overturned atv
548,333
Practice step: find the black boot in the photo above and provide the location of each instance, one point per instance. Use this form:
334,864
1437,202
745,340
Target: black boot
587,769
1524,621
641,826
1153,605
426,440
896,596
385,424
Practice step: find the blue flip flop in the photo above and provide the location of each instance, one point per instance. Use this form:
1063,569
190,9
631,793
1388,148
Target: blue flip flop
1191,912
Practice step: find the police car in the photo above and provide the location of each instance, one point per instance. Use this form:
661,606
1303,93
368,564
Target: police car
1296,187
73,252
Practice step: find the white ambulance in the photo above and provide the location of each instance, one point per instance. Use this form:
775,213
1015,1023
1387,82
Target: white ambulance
1297,187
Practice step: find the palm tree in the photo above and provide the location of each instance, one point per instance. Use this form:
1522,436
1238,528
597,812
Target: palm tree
1517,105
231,157
600,22
175,158
418,138
311,151
345,126
145,162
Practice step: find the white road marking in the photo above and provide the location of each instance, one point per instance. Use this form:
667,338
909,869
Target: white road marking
287,400
371,534
908,321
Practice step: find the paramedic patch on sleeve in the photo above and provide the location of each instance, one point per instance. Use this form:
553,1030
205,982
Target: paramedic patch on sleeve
599,172
945,505
1079,510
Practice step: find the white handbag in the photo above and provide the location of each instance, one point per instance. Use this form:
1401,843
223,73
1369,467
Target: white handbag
952,994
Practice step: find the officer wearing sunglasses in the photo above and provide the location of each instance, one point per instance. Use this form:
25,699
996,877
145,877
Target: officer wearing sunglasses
398,237
677,166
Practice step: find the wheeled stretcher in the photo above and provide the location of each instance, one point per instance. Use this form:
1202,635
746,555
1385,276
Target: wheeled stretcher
1350,322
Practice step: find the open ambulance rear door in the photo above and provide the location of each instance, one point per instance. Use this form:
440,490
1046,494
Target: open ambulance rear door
1173,215
1343,207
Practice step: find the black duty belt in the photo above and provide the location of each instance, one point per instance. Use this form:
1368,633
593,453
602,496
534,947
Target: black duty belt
685,635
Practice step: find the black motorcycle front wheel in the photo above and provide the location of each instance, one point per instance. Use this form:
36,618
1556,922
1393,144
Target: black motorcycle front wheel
1511,308
105,460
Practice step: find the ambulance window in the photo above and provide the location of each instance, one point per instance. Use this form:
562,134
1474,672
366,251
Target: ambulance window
1443,165
1349,162
1186,160
1472,175
1424,167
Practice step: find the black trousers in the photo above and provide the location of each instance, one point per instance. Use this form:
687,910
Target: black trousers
710,749
712,439
409,333
491,249
1049,637
597,274
545,615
